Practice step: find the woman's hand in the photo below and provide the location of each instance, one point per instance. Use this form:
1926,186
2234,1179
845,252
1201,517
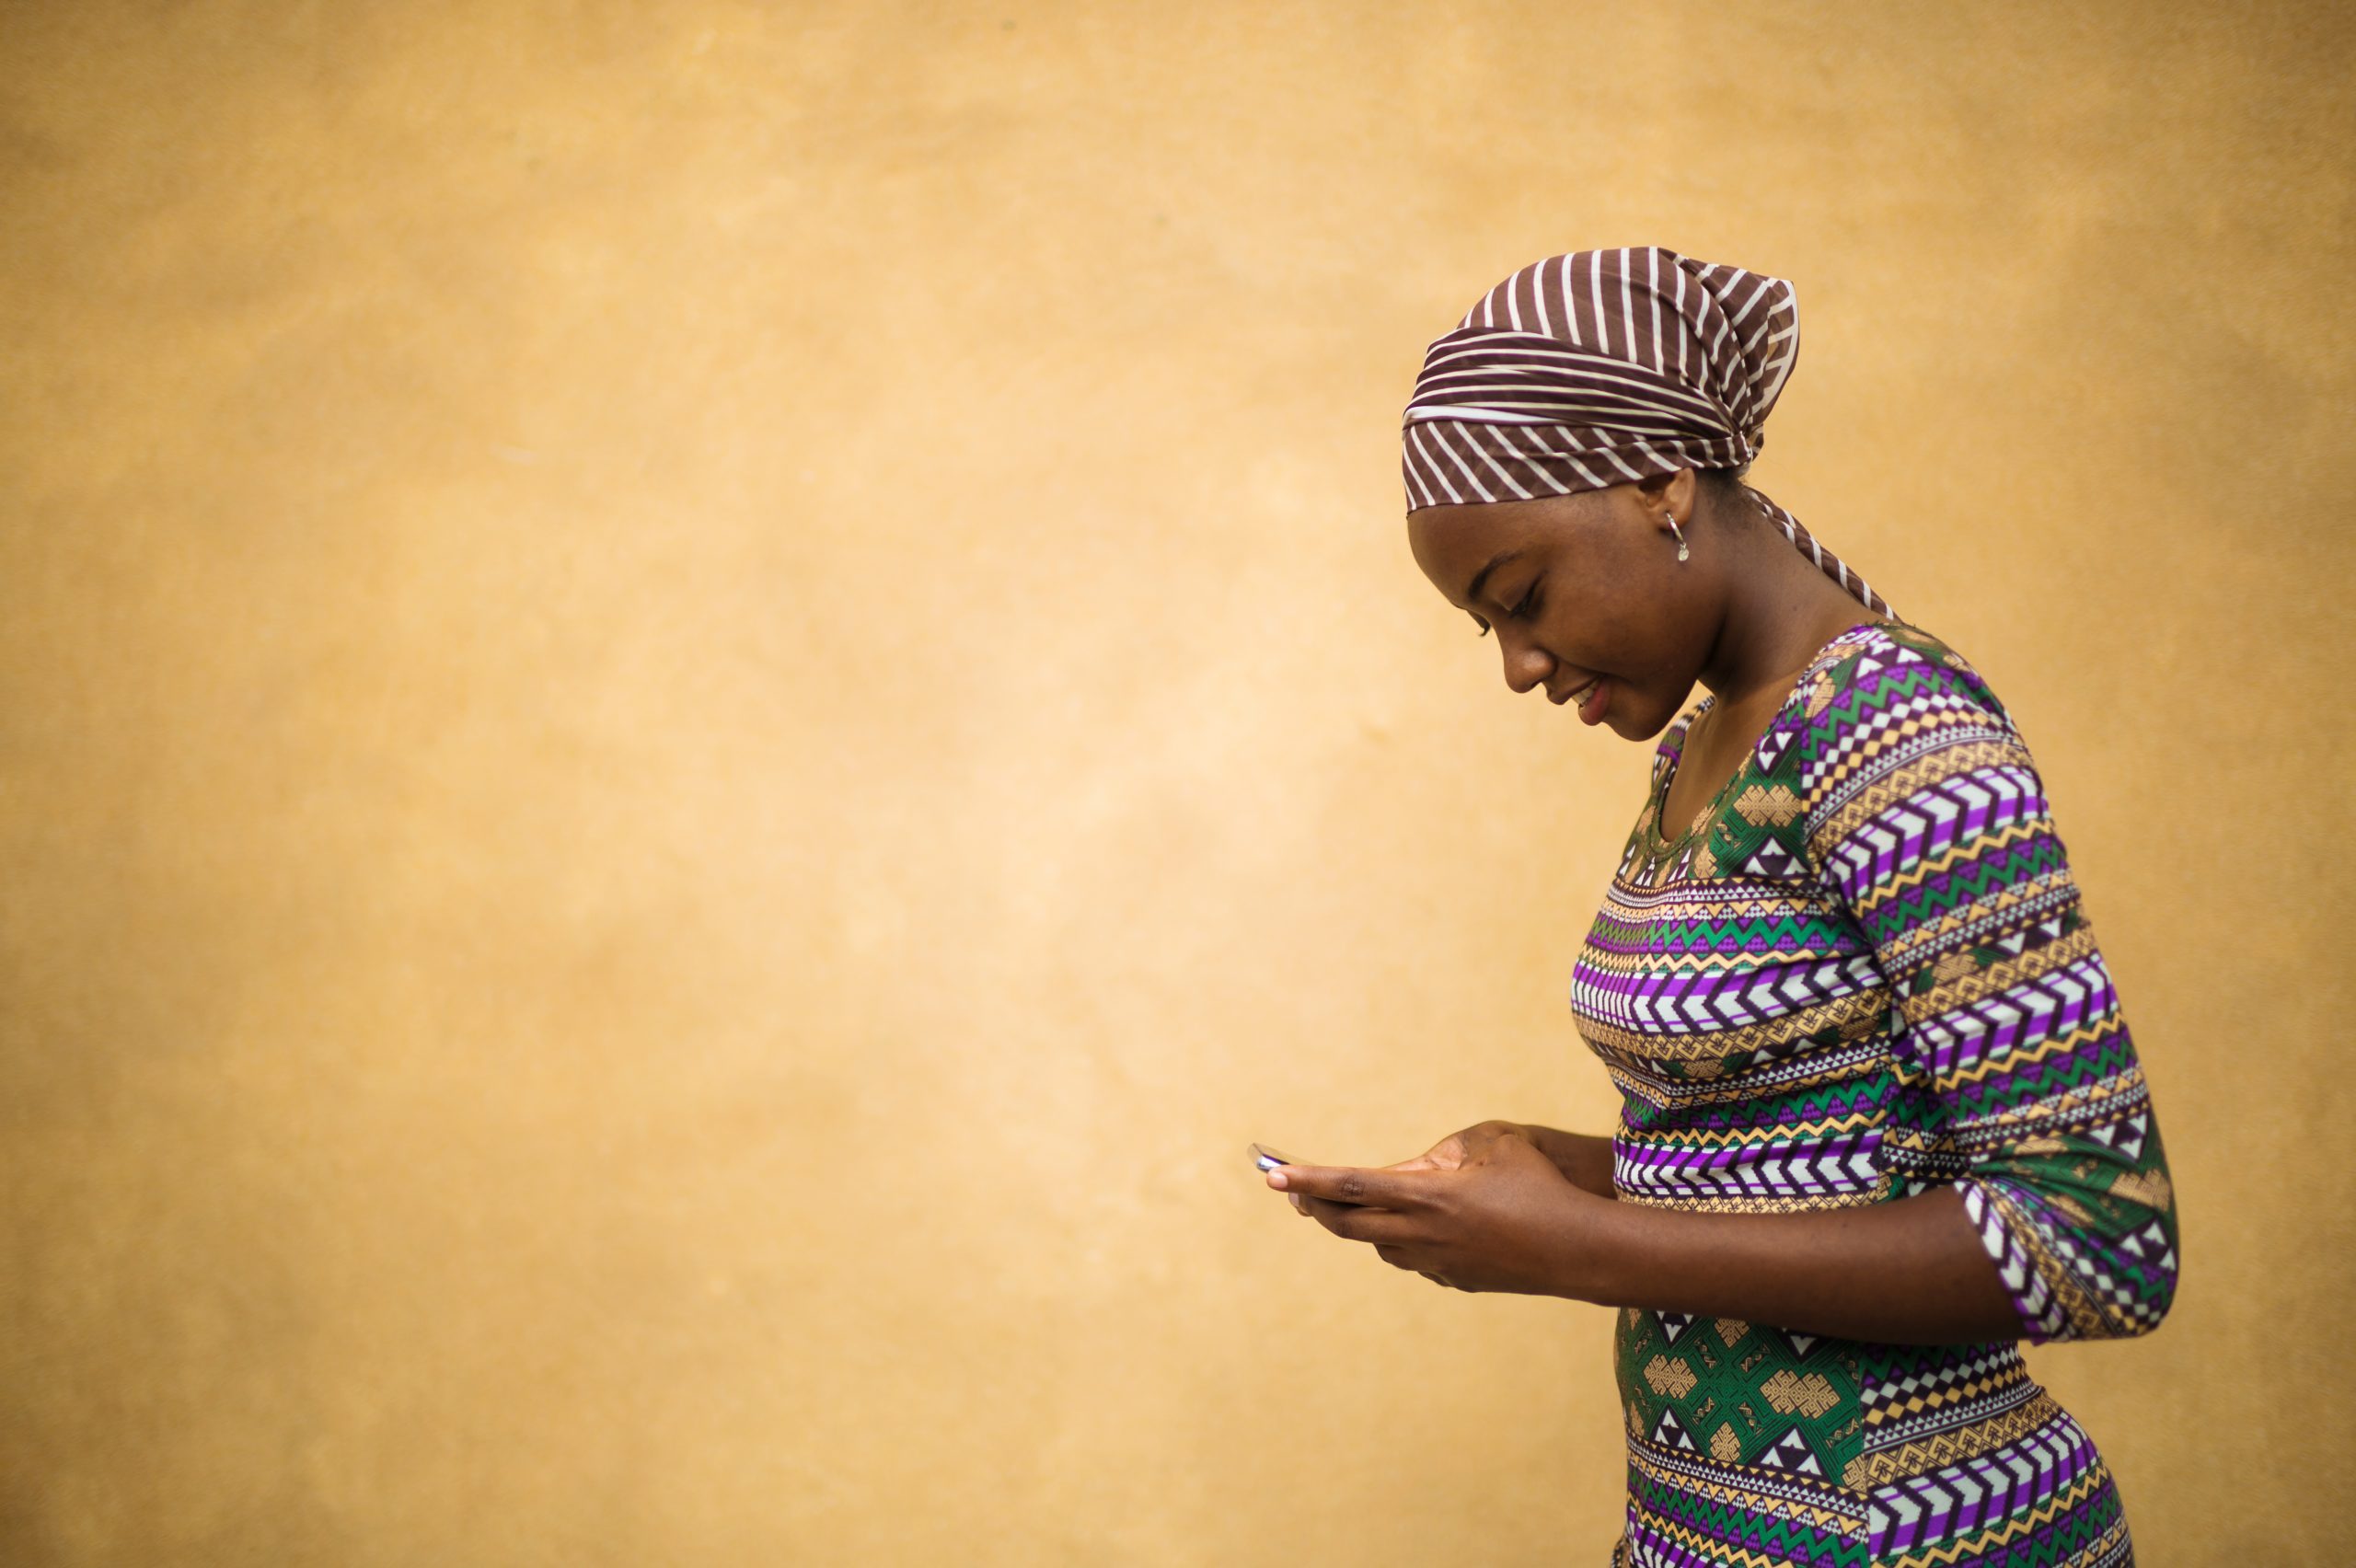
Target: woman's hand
1445,1155
1501,1217
1460,1149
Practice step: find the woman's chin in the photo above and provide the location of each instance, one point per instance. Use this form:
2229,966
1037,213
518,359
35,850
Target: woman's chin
1633,719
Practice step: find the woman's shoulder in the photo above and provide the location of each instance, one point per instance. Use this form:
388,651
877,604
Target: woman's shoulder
1874,663
1892,702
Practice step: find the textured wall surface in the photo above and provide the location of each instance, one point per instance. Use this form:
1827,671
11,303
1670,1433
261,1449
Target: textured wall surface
700,703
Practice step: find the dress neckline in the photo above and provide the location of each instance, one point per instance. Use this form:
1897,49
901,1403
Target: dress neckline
1675,753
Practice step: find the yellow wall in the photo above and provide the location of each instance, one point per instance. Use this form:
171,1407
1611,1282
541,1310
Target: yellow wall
700,702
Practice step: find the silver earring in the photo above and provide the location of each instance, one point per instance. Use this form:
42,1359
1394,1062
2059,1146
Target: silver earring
1682,552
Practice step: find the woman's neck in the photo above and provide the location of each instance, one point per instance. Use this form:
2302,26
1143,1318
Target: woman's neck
1780,612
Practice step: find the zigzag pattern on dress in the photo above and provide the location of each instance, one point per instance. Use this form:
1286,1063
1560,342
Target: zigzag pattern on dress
1955,1408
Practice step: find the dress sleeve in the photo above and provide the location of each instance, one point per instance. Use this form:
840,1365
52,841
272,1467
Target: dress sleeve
2018,1081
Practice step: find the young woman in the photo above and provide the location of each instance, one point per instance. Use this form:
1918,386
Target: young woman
1882,1118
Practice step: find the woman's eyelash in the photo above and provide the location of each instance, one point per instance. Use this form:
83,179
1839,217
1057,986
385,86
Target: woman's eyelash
1529,603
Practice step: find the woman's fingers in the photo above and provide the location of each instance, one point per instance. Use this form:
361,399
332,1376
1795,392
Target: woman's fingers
1360,1204
1353,1222
1383,1189
1401,1257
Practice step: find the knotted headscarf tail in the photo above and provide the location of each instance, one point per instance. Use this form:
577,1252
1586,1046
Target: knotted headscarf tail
1601,367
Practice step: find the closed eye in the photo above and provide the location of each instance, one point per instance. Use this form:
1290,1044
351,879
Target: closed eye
1529,603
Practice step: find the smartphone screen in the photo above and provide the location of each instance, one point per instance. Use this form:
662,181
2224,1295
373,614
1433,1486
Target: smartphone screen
1267,1158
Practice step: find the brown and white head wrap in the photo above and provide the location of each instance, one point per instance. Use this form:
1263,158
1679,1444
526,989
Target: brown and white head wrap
1602,367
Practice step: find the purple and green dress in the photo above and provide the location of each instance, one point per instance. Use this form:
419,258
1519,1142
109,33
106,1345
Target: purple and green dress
1861,972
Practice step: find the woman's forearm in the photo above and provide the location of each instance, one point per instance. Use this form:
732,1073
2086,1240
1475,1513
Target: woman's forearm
1584,1158
1913,1272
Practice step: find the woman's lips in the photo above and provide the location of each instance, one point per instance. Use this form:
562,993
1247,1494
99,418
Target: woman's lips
1588,697
1574,691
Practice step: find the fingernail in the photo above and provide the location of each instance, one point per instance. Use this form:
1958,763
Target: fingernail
1275,1178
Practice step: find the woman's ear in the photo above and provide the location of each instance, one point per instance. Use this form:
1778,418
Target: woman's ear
1667,495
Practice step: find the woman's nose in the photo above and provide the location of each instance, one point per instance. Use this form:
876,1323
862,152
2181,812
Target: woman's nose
1526,663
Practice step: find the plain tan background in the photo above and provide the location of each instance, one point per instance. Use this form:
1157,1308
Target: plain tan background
703,701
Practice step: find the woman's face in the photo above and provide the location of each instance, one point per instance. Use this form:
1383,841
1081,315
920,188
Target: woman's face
1576,587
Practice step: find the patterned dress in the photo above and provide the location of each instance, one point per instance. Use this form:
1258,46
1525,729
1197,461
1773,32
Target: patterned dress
1862,972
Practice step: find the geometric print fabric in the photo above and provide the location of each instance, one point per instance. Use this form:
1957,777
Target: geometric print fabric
1865,971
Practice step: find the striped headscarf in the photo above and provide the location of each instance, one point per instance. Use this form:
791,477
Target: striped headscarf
1602,367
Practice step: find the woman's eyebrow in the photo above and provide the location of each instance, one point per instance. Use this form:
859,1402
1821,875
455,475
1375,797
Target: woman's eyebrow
1482,576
